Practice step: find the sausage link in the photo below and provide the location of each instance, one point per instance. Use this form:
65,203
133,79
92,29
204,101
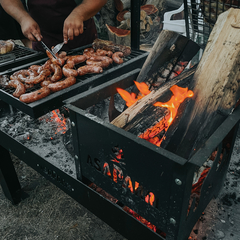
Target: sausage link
68,70
36,95
89,69
59,61
69,81
77,59
102,52
41,77
20,88
101,58
117,57
102,64
57,72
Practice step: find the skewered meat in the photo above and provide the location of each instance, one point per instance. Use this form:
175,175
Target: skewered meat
6,46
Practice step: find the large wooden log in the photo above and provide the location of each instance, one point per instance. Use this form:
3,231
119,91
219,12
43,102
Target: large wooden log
167,59
215,85
216,91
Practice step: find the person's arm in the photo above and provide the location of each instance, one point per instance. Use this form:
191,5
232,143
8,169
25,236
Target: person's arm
73,25
29,27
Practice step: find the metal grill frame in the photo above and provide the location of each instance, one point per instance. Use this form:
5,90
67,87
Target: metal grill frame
199,21
170,215
19,56
55,100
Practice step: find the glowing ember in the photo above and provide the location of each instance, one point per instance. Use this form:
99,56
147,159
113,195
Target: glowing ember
61,124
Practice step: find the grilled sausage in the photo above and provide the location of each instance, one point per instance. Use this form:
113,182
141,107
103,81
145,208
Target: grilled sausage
89,69
117,57
36,95
77,59
57,72
68,70
101,58
102,64
45,83
88,52
101,52
69,81
59,61
20,88
41,77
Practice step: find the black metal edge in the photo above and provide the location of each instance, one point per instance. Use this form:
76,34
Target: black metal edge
107,211
216,138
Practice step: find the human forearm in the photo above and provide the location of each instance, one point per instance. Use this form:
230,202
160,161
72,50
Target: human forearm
89,8
16,9
73,25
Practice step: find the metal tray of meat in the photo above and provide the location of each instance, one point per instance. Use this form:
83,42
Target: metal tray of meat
18,56
83,83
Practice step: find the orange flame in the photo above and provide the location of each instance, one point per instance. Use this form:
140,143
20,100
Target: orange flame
179,95
131,98
153,134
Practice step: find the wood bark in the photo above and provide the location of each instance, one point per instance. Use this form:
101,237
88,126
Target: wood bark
170,47
215,85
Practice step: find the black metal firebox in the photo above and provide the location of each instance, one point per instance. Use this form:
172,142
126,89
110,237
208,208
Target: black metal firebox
113,159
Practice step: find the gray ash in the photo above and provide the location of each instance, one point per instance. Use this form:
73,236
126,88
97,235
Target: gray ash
43,136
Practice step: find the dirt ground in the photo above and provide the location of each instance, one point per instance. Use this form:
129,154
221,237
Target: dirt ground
48,213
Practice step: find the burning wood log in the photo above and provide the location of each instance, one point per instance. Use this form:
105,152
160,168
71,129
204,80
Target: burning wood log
142,115
215,85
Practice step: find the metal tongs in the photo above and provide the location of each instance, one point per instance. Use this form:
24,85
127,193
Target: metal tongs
46,48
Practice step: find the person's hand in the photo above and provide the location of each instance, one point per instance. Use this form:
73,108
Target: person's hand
31,29
73,26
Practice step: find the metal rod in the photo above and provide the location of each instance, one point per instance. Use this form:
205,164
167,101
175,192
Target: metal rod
8,177
135,24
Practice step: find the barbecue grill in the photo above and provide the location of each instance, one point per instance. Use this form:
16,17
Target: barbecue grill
19,56
152,170
54,100
169,177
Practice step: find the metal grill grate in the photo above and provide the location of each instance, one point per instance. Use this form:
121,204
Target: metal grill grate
201,16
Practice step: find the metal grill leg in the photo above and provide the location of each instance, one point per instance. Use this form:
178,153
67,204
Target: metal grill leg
8,177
